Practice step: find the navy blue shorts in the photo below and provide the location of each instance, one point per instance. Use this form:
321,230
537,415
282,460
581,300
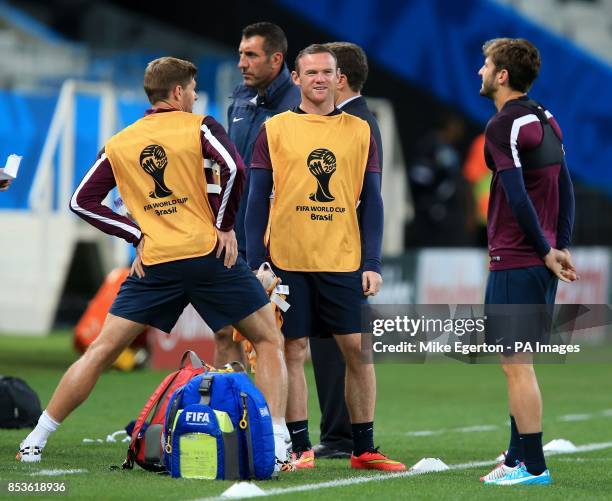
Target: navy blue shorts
220,295
322,303
519,306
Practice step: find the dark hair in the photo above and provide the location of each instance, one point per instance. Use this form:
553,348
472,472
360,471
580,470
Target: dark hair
165,73
315,48
352,62
516,55
274,37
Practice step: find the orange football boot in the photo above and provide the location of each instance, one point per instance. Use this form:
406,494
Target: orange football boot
303,459
374,460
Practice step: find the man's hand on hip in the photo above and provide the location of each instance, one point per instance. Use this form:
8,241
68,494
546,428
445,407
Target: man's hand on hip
227,242
137,268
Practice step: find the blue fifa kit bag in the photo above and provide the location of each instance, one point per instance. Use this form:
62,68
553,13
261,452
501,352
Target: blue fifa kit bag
218,426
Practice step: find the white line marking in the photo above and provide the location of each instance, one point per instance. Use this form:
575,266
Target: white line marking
583,460
422,433
590,447
570,418
473,429
463,429
390,476
56,473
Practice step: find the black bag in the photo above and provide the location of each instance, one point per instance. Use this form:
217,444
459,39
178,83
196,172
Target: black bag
19,404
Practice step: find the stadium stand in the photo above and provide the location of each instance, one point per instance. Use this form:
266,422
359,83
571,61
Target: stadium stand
587,23
59,110
49,75
447,63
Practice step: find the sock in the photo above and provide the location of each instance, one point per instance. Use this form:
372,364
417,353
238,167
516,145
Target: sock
279,429
534,454
39,435
515,450
300,440
363,437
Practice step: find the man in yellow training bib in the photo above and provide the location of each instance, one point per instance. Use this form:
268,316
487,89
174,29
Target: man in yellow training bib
320,163
186,247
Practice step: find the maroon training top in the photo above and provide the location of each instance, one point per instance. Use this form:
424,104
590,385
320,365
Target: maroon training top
515,129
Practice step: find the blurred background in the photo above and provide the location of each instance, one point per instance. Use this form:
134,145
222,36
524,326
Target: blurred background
71,75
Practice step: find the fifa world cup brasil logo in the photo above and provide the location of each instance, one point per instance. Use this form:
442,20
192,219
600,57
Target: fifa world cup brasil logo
322,164
153,160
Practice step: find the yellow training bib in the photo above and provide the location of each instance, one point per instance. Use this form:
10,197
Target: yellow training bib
318,165
159,169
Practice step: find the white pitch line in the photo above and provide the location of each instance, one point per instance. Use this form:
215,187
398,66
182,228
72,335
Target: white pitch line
464,429
570,418
391,476
477,428
55,473
588,448
567,418
585,417
422,433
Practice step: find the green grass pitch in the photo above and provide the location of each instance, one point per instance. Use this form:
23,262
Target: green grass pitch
447,410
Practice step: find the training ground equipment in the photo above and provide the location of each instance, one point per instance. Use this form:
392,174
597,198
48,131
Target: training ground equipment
145,448
19,404
426,465
277,294
90,324
560,445
218,426
242,490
